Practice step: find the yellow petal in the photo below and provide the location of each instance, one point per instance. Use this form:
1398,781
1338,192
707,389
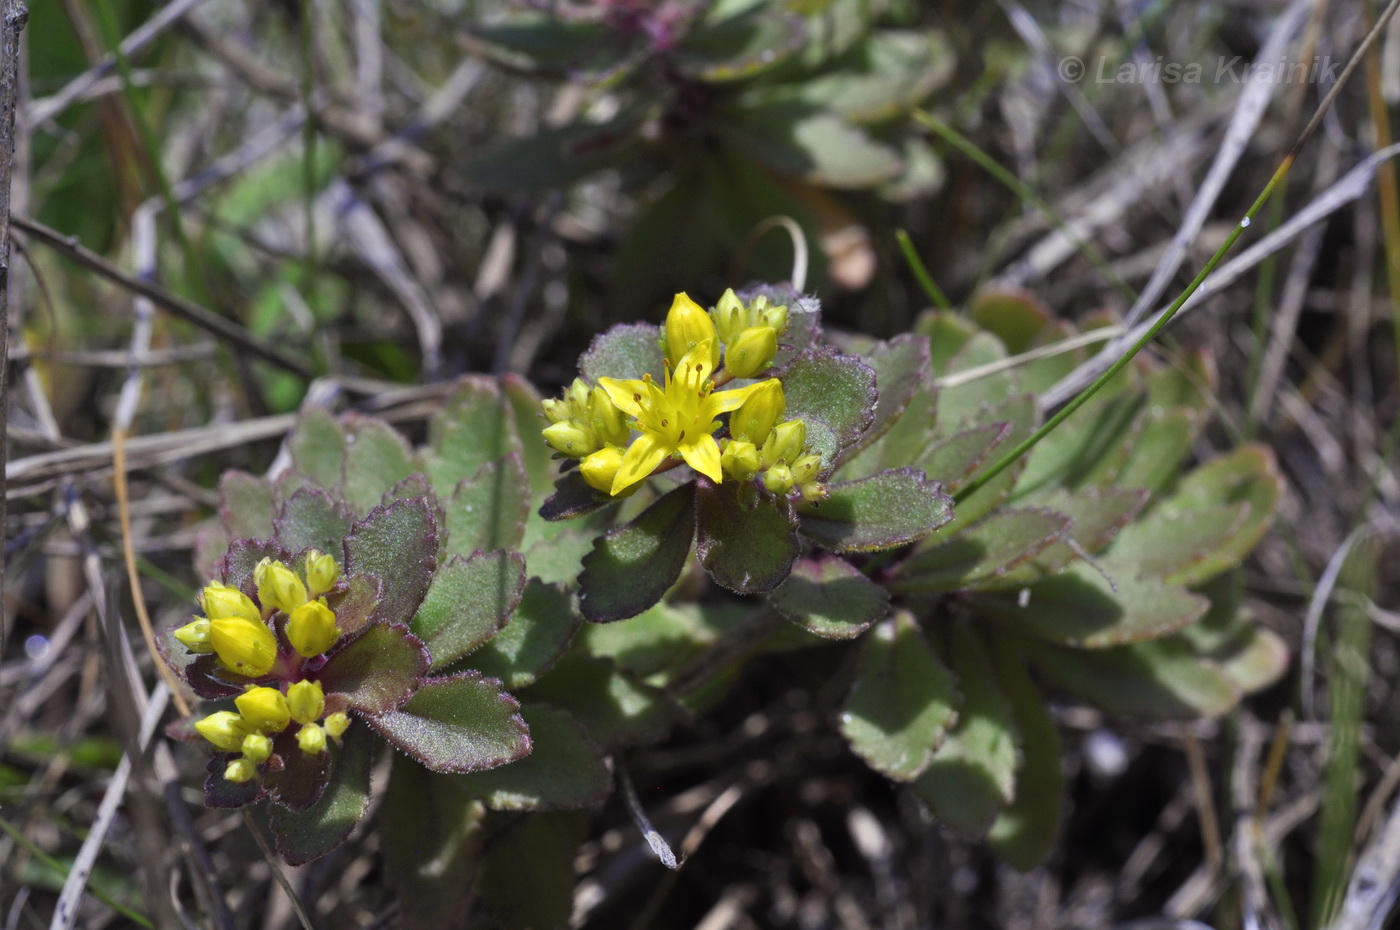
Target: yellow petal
627,395
702,454
641,460
725,401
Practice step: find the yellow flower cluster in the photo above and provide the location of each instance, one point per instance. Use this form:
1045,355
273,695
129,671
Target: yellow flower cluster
677,420
263,711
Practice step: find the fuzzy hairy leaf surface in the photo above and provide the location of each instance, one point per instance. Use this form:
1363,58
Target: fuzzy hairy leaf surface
245,505
633,565
464,723
565,769
376,459
397,542
982,553
489,509
309,834
311,517
468,602
833,394
376,671
831,598
317,447
745,538
624,352
527,647
883,511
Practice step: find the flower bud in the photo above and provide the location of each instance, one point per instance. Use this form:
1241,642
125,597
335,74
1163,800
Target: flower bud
729,316
306,700
806,467
778,479
687,326
312,739
571,438
195,636
740,460
256,748
224,729
751,351
754,419
244,646
785,443
241,770
814,491
609,422
221,601
311,628
278,586
321,573
600,468
555,411
336,724
764,314
264,709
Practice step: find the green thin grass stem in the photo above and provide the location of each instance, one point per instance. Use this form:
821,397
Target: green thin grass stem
1083,397
1263,303
51,863
916,265
1015,185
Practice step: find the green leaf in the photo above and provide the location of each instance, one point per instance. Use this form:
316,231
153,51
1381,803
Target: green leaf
746,538
489,510
615,708
545,41
573,497
1157,679
903,702
963,404
312,518
1079,608
831,598
632,566
355,605
973,774
374,672
1162,443
1098,514
1012,314
906,439
883,77
1086,448
981,553
245,505
314,832
523,406
1025,832
301,781
1170,542
565,770
460,724
540,631
833,394
659,640
901,372
883,511
1257,662
947,333
1021,414
242,559
376,459
469,432
625,351
739,47
317,447
955,459
553,158
397,542
468,602
432,841
804,141
527,878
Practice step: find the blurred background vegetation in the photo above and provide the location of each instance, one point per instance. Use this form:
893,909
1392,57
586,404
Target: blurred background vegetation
482,186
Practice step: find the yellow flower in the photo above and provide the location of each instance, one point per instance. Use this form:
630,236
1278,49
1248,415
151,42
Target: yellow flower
785,443
754,420
195,636
740,460
256,748
305,700
311,628
583,421
241,770
312,739
751,351
278,586
321,573
243,646
221,601
336,724
687,327
264,709
677,420
600,468
778,479
225,729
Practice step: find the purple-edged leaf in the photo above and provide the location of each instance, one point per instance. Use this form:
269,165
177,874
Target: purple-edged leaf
903,702
219,792
245,505
1160,447
317,447
376,671
883,511
745,538
469,601
354,605
465,723
626,351
901,369
573,497
1086,448
376,459
1170,542
302,777
540,631
1024,833
905,440
309,834
527,875
953,460
311,517
833,394
209,680
242,557
397,542
414,486
632,566
804,324
614,707
489,509
432,841
1021,413
469,431
973,774
831,598
565,769
1098,514
982,553
1162,679
1078,607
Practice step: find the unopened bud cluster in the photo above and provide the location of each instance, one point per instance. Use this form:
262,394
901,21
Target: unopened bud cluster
242,635
764,446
